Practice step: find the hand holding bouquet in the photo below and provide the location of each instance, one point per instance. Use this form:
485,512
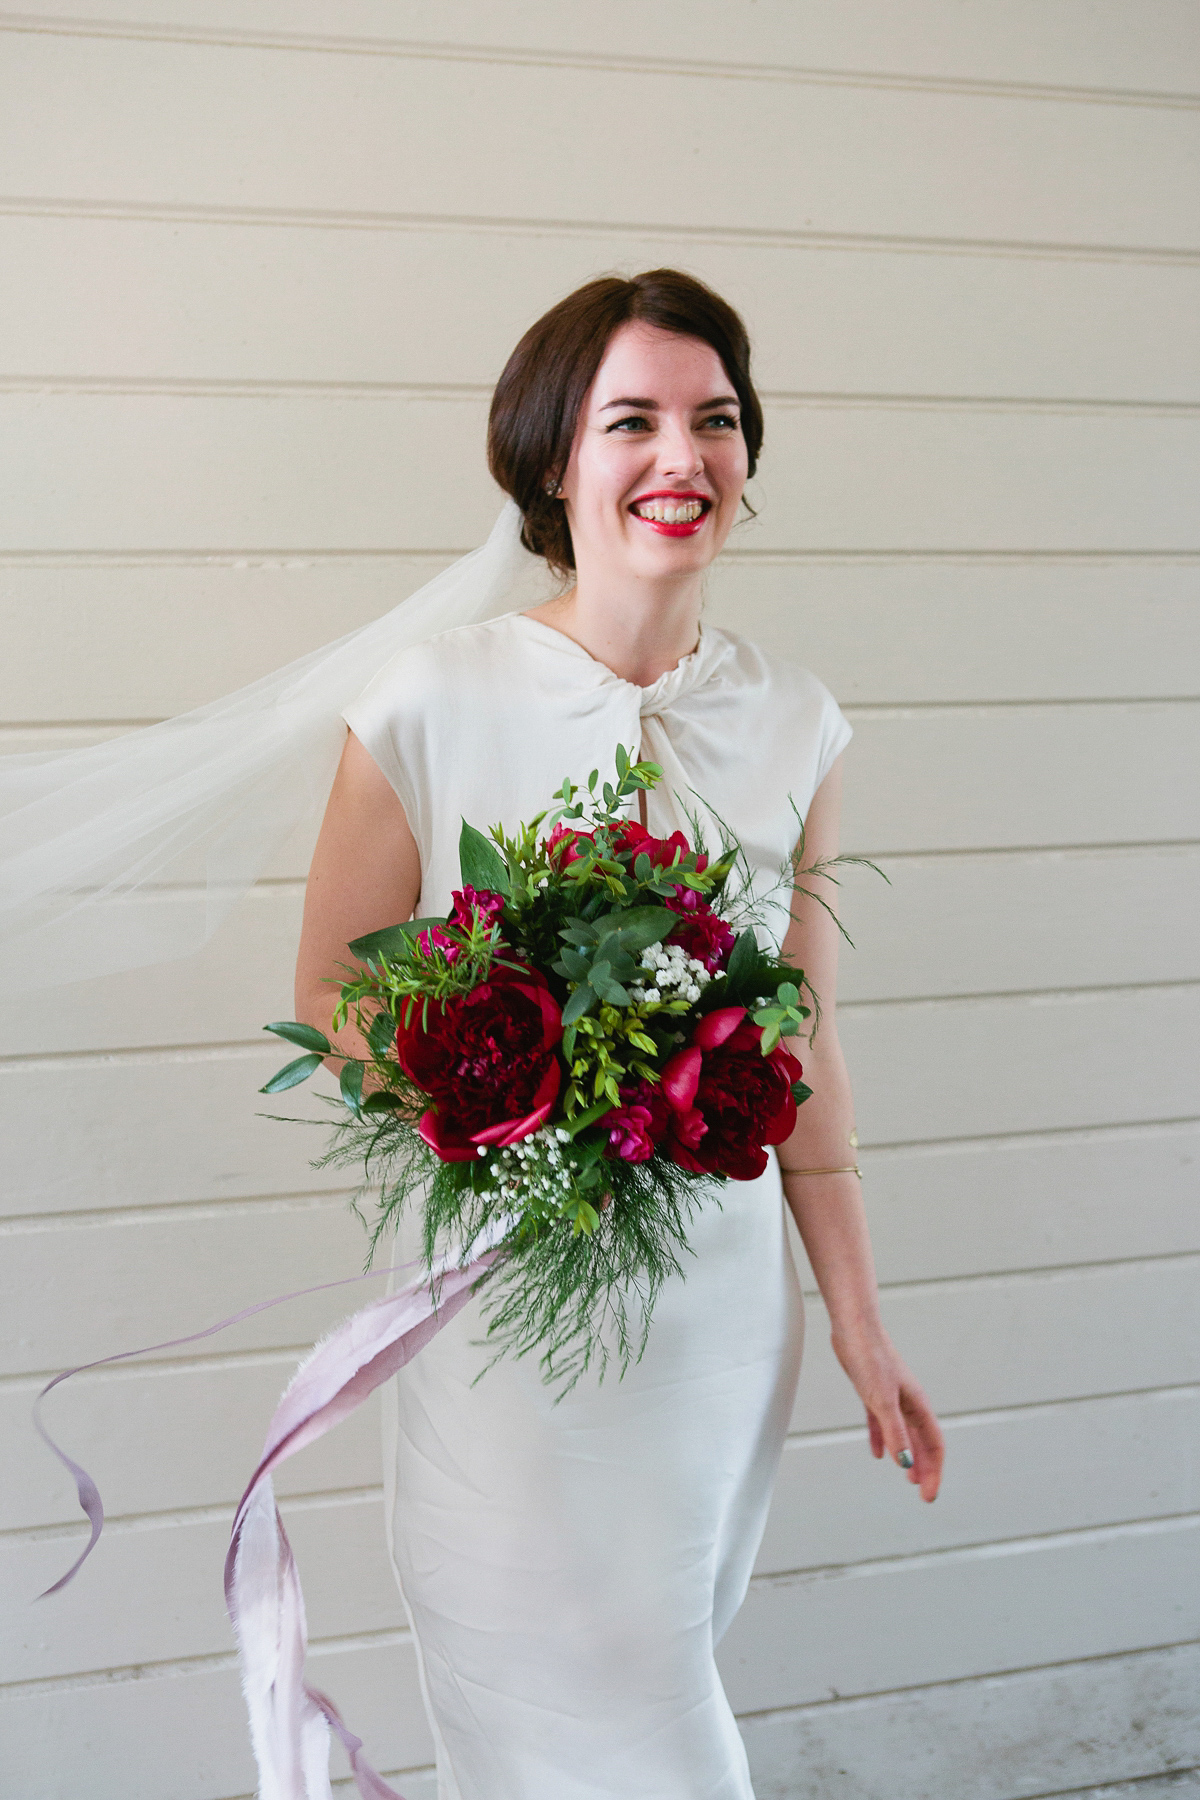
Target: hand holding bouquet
567,1065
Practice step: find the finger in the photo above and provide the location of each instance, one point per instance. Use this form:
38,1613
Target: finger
875,1435
896,1438
929,1446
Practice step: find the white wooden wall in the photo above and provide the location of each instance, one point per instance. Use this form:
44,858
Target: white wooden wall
260,261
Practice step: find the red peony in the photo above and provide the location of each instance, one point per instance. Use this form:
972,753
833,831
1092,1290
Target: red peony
637,1127
727,1099
633,838
701,931
487,1061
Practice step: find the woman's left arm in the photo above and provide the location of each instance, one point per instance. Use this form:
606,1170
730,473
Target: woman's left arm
828,1208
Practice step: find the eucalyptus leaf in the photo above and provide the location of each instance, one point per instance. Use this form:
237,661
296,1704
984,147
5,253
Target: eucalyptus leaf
292,1074
639,926
306,1036
481,863
581,1002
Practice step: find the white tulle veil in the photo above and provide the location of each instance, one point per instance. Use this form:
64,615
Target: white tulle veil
133,852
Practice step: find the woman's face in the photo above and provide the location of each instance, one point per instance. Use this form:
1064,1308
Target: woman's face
659,462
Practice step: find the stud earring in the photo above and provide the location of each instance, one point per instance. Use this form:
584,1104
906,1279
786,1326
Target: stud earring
554,489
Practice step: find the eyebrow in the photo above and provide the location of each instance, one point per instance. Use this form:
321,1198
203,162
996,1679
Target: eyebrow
644,405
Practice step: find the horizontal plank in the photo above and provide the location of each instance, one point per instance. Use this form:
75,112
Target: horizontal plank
297,303
974,1068
993,1342
206,1264
970,1612
284,471
942,926
154,1593
957,778
1069,43
199,1132
278,129
1008,1736
150,638
1022,1340
173,1436
170,1128
959,1209
1010,1474
183,1736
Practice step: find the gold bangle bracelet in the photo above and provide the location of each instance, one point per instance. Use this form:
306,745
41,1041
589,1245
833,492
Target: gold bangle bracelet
846,1169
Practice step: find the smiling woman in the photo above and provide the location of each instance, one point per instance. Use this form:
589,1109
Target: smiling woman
568,1565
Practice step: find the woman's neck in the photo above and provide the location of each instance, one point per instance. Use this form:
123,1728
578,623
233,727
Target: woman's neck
637,629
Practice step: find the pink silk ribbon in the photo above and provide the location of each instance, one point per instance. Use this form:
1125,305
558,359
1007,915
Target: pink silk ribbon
290,1721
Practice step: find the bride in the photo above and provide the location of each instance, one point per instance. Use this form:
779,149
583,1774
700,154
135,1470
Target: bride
568,1568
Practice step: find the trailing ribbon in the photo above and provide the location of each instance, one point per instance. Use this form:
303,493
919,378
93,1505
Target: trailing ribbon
290,1721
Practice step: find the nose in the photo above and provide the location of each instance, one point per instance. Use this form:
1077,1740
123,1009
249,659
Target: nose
678,452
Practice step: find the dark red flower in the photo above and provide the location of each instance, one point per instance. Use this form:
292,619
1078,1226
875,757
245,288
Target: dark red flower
742,1099
637,1127
487,1061
701,931
633,839
562,844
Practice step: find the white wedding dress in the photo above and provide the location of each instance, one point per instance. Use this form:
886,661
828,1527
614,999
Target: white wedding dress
568,1568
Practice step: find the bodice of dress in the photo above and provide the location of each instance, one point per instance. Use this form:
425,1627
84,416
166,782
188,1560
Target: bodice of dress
486,721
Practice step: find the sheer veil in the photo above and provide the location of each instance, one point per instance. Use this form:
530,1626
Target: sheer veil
133,852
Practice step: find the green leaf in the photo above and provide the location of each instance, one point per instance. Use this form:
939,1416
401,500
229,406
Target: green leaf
582,1120
307,1036
801,1092
638,927
577,932
381,1102
787,993
610,990
481,863
743,960
392,943
351,1083
292,1074
581,1002
769,1039
381,1033
574,966
643,868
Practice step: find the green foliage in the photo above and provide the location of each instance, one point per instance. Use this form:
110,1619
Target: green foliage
292,1074
306,1036
481,863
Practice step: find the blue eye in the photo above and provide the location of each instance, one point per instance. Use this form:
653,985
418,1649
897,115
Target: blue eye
633,419
726,420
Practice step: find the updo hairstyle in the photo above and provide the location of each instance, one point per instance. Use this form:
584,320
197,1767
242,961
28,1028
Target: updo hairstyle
536,405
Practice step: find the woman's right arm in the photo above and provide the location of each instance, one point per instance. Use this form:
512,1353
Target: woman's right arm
365,874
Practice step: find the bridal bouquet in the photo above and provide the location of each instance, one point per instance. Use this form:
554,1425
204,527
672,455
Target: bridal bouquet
567,1065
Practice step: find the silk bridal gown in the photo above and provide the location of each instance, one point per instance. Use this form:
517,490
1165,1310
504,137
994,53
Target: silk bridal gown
568,1568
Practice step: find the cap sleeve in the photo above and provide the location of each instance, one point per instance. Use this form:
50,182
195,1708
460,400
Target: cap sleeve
836,732
390,718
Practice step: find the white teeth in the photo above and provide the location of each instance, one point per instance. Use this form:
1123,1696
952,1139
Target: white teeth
668,512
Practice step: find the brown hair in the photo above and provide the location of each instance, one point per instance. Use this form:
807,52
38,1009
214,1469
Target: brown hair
536,405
